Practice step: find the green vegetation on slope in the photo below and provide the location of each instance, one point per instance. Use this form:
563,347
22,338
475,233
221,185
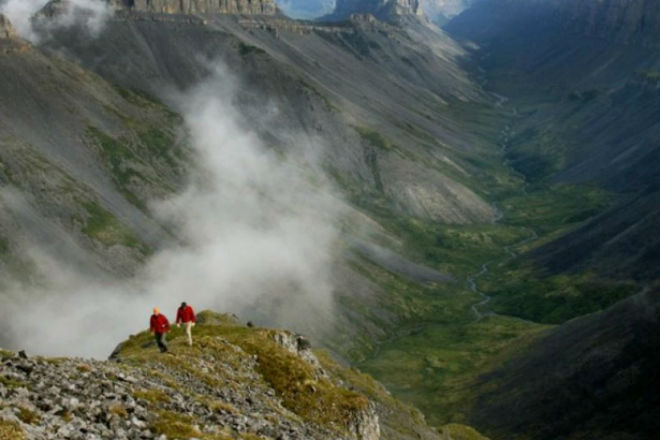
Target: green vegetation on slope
434,365
529,293
121,161
247,49
436,350
549,210
310,396
102,226
11,430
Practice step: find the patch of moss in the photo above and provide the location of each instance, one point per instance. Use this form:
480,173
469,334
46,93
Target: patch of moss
250,436
153,396
54,360
218,406
160,144
175,425
11,430
246,49
12,383
120,159
104,227
118,410
28,416
457,431
65,415
84,368
374,138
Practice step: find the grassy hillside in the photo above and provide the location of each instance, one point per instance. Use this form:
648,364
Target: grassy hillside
235,382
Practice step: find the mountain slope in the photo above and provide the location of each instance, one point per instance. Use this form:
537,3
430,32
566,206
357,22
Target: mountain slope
447,193
375,145
585,108
601,366
63,172
235,382
304,64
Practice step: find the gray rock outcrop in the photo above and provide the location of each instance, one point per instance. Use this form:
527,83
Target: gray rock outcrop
70,398
243,7
7,30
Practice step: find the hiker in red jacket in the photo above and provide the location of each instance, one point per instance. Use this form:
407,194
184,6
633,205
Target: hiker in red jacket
186,315
159,325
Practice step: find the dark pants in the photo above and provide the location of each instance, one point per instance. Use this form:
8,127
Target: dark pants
160,340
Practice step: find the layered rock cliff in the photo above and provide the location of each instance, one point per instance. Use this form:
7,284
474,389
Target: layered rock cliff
246,7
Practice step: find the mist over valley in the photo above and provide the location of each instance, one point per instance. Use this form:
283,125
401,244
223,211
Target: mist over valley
456,199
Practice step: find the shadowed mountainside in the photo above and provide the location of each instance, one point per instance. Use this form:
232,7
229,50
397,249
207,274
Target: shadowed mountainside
606,377
583,84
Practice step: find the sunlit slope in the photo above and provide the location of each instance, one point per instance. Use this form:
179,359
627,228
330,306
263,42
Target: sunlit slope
402,140
81,158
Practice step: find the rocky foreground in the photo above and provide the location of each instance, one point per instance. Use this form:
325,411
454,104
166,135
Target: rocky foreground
236,382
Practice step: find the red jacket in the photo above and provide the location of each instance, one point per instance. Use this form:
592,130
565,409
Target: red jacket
159,324
185,315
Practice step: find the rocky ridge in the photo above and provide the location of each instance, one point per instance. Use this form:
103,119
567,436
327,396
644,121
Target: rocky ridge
235,383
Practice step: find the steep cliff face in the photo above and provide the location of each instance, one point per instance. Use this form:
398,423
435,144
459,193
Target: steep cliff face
243,7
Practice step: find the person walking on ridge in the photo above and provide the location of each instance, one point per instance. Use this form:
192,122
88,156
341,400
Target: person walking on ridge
158,326
186,315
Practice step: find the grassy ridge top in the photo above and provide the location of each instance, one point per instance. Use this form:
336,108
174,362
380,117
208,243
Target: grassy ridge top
235,382
223,349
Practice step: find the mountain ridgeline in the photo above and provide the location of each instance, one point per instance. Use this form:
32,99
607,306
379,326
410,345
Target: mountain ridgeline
247,7
492,201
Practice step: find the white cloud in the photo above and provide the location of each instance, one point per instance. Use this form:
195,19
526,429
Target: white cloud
259,234
90,15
